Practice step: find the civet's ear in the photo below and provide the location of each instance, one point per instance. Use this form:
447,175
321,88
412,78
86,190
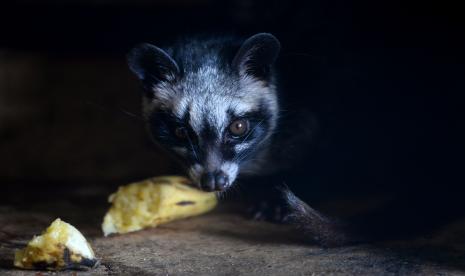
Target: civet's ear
152,65
256,56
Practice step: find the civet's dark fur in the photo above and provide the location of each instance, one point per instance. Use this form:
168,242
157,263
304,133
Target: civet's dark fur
201,85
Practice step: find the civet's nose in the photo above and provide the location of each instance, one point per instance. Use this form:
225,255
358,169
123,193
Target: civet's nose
214,181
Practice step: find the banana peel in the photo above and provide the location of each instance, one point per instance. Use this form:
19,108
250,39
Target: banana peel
155,201
61,246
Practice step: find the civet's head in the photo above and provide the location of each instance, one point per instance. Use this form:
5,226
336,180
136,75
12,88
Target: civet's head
211,102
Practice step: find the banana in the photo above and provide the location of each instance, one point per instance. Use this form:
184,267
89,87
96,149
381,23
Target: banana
152,202
61,246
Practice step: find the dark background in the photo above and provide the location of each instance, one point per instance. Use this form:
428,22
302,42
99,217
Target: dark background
384,78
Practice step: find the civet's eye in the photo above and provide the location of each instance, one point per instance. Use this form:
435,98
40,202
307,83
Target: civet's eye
239,127
181,132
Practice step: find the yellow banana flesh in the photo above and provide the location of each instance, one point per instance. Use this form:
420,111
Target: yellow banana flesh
61,246
153,202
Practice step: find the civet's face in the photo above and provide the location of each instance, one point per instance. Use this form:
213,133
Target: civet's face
214,118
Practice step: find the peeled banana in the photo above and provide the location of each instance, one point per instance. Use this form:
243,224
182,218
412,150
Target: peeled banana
153,202
61,246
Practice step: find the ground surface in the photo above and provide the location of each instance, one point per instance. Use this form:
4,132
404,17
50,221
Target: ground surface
220,243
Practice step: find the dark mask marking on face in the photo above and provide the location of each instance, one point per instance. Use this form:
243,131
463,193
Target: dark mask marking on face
163,125
259,123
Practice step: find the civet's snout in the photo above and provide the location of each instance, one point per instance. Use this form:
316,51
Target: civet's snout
214,181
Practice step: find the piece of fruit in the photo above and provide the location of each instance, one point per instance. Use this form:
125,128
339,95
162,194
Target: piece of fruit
154,201
61,246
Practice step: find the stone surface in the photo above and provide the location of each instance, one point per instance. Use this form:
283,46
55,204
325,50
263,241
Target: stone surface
221,243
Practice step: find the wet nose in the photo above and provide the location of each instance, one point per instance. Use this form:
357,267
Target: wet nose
213,181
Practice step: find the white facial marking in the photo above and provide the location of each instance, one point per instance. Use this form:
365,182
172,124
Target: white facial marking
180,105
240,147
209,109
230,169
